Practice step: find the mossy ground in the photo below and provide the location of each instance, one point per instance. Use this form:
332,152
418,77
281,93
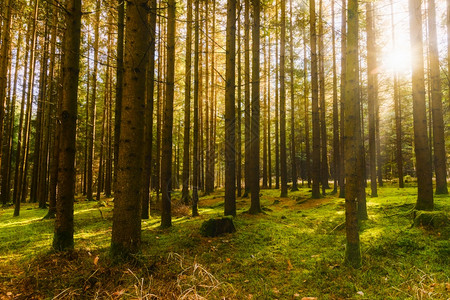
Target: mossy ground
294,250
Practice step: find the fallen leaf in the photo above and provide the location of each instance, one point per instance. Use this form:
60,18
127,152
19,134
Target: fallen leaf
96,260
296,295
8,294
289,267
361,293
309,298
228,260
447,287
276,291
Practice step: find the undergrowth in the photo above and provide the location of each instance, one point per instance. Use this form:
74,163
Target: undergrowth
294,250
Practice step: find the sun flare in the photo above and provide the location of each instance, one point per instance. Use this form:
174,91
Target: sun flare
398,60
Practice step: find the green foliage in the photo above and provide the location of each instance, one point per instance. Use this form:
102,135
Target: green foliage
295,249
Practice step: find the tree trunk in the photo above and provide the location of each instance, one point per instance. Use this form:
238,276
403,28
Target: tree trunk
293,152
187,106
230,114
322,108
247,113
255,206
166,158
422,151
283,163
91,117
336,139
440,166
342,91
371,94
352,139
195,154
315,104
119,82
148,130
126,229
64,225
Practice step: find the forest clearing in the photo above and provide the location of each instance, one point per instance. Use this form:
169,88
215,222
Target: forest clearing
294,250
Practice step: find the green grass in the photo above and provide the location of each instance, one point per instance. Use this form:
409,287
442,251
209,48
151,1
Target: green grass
294,250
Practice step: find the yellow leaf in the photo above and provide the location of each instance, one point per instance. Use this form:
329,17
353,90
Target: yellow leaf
289,267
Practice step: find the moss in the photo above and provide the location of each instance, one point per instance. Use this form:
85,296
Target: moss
435,219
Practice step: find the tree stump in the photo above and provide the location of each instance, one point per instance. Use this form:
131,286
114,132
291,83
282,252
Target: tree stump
217,227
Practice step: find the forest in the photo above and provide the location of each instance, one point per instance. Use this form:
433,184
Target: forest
224,149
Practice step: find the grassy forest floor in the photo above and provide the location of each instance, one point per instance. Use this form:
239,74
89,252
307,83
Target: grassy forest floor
294,250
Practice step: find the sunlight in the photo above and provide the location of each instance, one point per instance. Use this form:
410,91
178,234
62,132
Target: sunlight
398,60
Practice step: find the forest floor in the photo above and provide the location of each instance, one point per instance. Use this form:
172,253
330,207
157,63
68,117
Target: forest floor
294,250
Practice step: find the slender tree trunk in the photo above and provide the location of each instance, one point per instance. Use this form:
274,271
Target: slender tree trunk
422,151
352,138
322,108
255,206
269,140
230,114
4,63
440,165
195,154
247,97
293,152
336,139
264,119
148,130
126,229
283,163
306,96
187,106
371,69
64,225
277,99
18,156
398,110
315,104
92,108
342,92
119,83
239,109
166,158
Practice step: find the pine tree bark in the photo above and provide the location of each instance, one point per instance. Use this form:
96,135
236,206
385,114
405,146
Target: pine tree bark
342,92
398,112
283,163
64,225
91,117
255,206
247,107
187,106
166,158
322,108
371,94
230,113
315,104
119,82
293,142
239,110
440,166
126,229
148,130
422,151
4,63
336,139
352,139
195,152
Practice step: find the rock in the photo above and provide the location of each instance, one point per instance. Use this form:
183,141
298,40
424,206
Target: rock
435,219
217,227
